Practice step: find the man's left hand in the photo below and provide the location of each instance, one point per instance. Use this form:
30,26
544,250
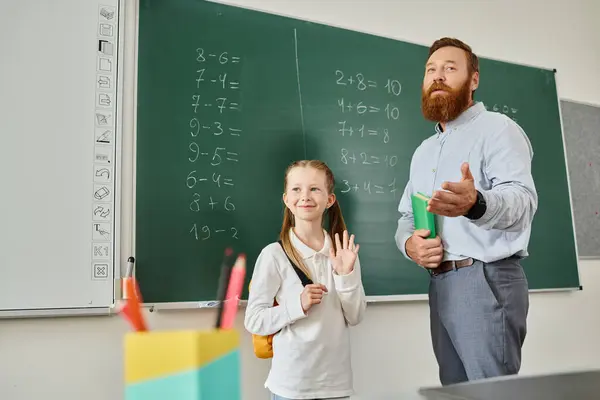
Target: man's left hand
457,198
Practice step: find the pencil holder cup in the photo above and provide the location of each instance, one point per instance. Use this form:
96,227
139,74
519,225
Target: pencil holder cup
182,365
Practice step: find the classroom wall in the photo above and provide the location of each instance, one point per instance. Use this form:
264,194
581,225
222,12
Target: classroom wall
80,358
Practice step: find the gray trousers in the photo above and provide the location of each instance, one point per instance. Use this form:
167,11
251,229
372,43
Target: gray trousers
478,317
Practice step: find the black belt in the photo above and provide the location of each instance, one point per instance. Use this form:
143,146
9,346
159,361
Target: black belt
450,265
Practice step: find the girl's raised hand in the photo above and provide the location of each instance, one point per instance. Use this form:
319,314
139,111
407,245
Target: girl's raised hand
343,259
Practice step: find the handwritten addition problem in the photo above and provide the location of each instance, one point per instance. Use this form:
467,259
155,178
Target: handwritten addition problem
349,157
392,86
201,182
370,187
362,131
356,109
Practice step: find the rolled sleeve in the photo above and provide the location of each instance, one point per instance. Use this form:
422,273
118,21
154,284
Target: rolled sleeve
512,200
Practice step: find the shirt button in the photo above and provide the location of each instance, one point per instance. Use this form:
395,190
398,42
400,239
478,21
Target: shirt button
433,170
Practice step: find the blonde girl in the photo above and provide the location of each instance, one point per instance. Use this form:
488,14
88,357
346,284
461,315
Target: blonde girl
311,346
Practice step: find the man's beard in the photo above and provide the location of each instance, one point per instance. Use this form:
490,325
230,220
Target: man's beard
445,107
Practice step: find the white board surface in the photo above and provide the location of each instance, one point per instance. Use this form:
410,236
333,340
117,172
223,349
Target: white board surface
59,156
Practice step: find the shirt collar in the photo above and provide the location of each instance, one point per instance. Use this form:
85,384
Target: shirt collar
467,115
307,252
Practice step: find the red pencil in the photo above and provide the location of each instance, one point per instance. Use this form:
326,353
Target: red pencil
234,292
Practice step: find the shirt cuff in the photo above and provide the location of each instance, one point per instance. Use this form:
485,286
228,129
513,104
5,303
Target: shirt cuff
346,283
293,306
402,245
491,208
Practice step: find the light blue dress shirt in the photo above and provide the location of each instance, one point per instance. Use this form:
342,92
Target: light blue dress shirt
499,155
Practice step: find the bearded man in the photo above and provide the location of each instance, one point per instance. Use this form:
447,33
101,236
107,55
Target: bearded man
476,169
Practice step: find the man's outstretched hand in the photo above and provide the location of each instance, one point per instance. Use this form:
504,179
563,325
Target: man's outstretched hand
457,198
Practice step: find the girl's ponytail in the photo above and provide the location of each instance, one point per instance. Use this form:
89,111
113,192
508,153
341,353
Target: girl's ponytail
284,236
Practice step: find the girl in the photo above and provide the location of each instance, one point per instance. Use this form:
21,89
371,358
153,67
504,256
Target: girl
311,346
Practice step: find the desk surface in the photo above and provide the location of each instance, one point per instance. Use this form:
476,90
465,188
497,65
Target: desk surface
581,385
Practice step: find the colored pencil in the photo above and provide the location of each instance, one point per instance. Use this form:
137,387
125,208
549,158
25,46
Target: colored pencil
226,266
234,292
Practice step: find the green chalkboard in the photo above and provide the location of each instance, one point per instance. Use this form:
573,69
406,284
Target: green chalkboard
228,97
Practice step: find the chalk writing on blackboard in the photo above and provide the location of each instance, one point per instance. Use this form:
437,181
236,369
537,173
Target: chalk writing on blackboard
217,179
349,157
219,155
222,58
205,232
391,112
203,204
358,80
207,183
364,117
221,81
216,128
363,130
370,187
504,109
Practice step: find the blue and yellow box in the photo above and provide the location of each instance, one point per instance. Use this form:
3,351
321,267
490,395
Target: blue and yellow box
182,365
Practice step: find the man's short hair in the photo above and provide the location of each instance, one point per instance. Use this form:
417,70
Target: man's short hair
472,60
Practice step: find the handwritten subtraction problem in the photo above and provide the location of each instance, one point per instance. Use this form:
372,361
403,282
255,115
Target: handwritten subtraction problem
208,184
